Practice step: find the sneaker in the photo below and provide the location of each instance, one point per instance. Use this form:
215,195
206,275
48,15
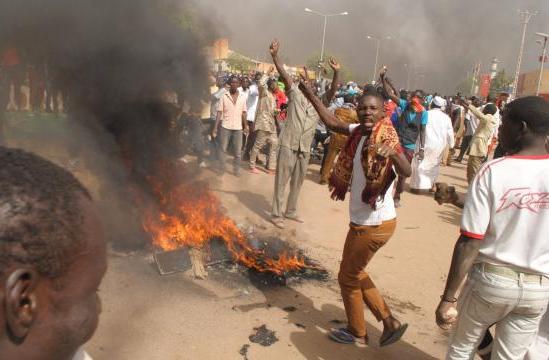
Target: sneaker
254,170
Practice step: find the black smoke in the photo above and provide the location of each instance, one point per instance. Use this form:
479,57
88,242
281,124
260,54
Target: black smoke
116,59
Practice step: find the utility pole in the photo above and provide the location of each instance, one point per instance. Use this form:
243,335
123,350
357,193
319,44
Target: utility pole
543,55
325,16
525,15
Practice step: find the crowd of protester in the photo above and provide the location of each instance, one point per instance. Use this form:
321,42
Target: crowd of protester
370,140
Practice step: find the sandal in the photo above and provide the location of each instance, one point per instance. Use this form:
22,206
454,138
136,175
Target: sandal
295,218
278,222
394,336
344,336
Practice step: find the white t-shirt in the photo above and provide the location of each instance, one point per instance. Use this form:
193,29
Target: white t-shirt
360,212
507,207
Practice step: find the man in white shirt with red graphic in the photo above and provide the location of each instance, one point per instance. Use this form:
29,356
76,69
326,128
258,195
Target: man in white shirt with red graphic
504,248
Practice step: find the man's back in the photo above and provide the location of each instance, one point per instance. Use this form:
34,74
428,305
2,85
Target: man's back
508,207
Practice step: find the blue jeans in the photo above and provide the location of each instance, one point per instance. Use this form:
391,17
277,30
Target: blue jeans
226,137
515,306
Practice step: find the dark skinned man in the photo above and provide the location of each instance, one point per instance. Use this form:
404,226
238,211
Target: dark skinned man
295,142
411,126
231,124
52,260
365,166
503,249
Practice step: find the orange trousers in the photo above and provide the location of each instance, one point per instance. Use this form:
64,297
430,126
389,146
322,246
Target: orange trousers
356,285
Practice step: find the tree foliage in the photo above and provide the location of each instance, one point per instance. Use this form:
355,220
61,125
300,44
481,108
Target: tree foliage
500,83
240,63
313,64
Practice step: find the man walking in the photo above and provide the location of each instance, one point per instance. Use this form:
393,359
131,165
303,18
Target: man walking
411,127
478,150
251,111
503,248
439,135
265,124
231,122
365,167
295,146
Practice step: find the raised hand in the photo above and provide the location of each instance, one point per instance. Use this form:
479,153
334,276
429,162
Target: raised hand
334,64
273,49
271,70
383,71
304,83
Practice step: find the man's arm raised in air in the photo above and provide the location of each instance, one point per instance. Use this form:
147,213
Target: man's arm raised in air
286,78
329,119
336,67
388,86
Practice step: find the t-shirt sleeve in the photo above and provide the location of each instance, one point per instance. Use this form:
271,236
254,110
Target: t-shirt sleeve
219,107
478,204
424,118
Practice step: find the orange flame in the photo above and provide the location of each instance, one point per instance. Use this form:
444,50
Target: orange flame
191,216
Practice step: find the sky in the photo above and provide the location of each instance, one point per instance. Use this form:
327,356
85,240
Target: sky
439,40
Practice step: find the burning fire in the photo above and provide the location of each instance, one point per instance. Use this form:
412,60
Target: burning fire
191,216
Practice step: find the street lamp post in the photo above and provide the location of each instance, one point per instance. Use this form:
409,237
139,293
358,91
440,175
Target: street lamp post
544,53
526,16
325,16
378,45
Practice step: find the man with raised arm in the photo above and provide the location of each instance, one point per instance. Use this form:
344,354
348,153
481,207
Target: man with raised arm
366,167
410,126
295,146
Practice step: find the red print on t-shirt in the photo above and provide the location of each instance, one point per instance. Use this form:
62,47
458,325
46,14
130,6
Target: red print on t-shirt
524,198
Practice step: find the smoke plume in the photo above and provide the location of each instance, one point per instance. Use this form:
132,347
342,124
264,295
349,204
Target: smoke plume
440,40
116,58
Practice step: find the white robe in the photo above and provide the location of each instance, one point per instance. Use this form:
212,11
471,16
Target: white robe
439,134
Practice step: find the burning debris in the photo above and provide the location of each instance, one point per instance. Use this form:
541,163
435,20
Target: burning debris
121,78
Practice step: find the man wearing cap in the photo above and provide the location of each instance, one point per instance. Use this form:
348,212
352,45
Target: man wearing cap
439,134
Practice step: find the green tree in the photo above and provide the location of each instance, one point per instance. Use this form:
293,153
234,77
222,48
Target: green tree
313,63
499,83
240,63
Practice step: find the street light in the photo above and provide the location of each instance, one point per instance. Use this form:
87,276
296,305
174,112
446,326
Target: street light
326,16
378,40
545,37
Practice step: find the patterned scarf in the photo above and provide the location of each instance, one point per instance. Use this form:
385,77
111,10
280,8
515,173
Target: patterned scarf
416,105
378,170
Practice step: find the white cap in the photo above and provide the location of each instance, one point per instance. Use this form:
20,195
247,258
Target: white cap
440,102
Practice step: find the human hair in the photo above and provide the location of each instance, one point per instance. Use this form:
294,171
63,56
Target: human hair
532,110
231,78
41,222
490,109
371,90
